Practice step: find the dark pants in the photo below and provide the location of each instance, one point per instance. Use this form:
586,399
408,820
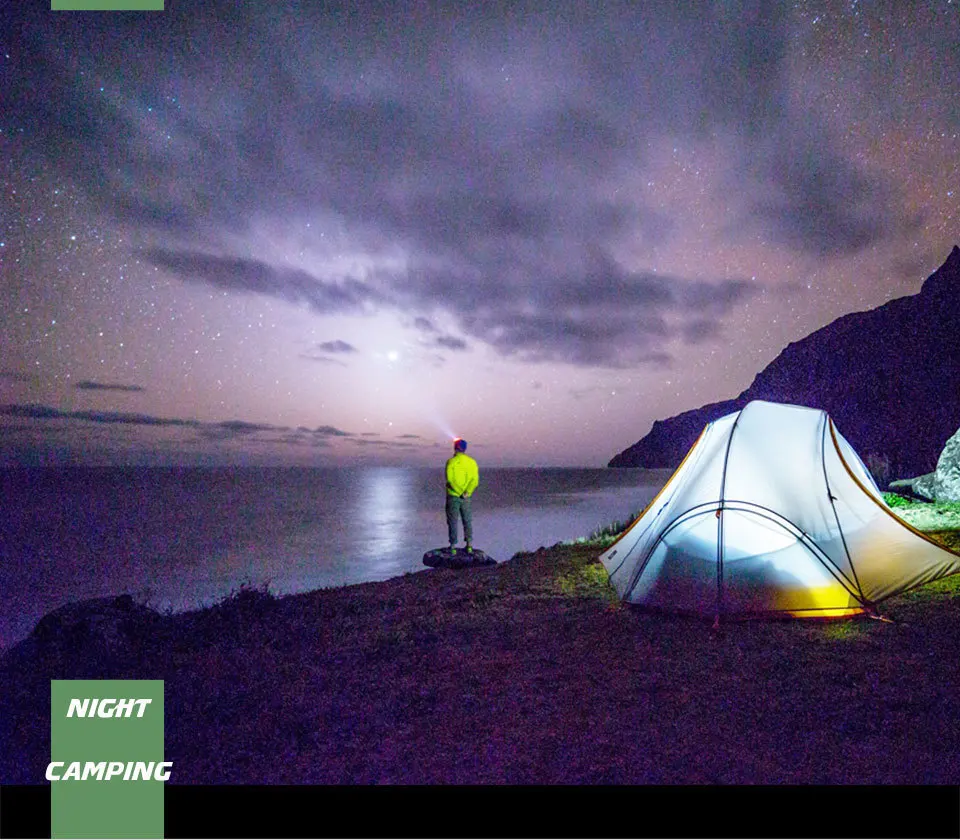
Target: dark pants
459,508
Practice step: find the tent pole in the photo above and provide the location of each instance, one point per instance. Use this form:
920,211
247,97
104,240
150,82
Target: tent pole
828,423
723,485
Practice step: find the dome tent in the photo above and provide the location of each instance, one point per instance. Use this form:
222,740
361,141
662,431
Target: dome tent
771,512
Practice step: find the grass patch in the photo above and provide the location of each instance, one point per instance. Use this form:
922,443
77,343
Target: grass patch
844,631
895,500
585,581
248,596
925,516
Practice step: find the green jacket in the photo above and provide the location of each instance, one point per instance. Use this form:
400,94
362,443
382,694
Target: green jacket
463,475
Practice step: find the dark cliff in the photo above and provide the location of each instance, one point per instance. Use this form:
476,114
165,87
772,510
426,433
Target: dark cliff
889,378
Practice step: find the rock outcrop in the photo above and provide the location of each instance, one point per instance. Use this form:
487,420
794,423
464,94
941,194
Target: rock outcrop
442,558
113,627
889,378
943,485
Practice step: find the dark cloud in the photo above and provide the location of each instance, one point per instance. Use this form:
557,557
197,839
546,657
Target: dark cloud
450,342
39,412
14,376
127,417
514,109
330,431
336,346
817,201
743,47
293,285
699,297
225,430
321,351
699,331
88,385
578,337
244,428
498,148
385,444
591,313
609,318
42,412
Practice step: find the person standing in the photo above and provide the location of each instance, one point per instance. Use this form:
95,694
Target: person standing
463,476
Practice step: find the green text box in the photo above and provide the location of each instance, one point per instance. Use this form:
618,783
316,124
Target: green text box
107,808
106,5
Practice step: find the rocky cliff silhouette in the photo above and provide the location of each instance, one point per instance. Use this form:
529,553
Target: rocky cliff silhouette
889,378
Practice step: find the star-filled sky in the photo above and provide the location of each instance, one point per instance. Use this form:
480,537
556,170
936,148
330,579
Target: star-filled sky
320,233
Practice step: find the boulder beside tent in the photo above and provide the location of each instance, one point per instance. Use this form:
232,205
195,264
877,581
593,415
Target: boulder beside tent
771,513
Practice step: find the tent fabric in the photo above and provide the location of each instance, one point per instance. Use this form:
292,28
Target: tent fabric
771,512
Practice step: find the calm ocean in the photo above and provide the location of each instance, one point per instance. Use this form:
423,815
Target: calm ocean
180,538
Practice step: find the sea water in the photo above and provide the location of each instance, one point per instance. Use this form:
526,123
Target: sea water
181,538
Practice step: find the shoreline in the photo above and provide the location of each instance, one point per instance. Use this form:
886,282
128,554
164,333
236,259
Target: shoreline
186,540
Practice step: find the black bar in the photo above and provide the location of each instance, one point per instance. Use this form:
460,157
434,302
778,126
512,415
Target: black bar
255,811
562,812
24,811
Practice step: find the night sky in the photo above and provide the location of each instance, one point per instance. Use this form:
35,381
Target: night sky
311,233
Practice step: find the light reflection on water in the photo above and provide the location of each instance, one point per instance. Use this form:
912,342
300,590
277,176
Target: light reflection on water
181,538
382,509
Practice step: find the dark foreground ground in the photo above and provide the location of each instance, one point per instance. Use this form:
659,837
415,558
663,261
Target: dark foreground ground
527,672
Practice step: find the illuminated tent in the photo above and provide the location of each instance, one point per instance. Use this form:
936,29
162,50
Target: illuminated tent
771,512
